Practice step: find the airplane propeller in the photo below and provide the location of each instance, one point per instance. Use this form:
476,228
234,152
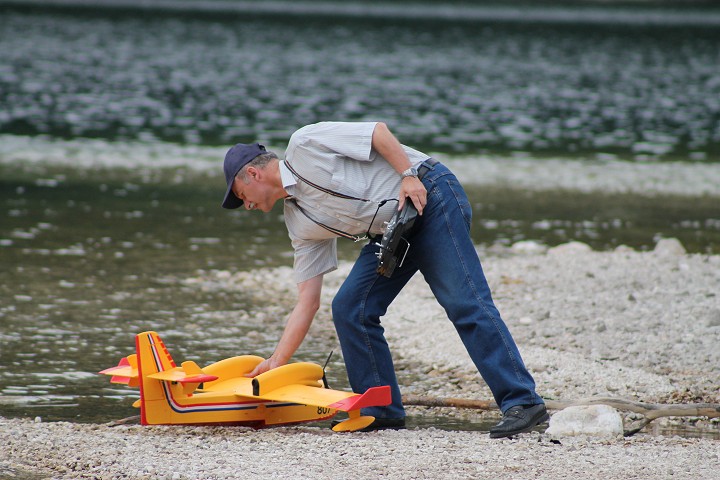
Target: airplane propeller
324,377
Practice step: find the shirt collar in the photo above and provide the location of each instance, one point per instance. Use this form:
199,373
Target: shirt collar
288,179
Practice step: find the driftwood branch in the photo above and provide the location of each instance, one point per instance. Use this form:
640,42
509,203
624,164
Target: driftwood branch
125,421
424,401
650,411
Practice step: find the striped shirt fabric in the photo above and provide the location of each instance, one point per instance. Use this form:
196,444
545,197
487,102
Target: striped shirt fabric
339,157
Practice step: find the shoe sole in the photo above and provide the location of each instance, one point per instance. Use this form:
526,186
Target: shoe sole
372,427
542,419
376,429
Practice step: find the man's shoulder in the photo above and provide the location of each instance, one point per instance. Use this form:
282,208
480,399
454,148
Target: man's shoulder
304,130
312,128
301,135
331,128
325,141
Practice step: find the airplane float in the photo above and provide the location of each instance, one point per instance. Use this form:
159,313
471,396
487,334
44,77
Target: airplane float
220,393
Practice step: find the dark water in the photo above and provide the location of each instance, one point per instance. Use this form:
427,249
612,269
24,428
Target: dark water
444,85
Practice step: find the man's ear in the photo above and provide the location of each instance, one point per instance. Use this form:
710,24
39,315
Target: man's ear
253,173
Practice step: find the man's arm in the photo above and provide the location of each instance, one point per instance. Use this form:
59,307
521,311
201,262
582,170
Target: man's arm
297,325
385,143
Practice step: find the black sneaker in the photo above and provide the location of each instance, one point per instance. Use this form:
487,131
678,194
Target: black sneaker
379,424
520,419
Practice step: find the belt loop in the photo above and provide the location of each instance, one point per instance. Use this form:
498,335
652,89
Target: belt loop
426,166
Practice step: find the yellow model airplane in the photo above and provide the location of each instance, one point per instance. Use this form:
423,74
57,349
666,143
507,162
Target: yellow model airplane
221,394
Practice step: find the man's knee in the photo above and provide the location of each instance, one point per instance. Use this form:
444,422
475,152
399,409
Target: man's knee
340,307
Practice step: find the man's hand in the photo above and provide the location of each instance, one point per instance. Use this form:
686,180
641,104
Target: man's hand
264,366
385,143
297,326
413,188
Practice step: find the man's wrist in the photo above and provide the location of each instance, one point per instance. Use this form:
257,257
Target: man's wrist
277,360
410,172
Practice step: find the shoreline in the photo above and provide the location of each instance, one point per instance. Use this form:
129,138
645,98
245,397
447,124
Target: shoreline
641,14
608,174
636,325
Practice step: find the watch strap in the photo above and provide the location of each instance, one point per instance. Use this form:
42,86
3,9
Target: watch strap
410,172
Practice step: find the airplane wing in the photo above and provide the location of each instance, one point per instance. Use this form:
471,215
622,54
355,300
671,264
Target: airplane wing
325,397
302,383
125,372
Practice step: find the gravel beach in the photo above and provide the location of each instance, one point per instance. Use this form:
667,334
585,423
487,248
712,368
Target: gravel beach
637,325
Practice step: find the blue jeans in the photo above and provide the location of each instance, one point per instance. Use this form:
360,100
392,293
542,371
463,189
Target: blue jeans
442,250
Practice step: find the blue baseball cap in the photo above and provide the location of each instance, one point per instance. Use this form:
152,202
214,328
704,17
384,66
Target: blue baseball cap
235,159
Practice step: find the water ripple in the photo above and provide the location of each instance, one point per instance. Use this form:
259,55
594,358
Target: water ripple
644,92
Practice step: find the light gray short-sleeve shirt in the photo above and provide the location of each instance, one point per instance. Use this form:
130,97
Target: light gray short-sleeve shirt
339,157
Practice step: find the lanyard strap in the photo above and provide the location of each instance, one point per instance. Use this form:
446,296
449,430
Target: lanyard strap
426,165
333,230
323,189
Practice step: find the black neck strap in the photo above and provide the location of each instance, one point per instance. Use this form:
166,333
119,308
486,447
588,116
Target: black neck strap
323,189
335,231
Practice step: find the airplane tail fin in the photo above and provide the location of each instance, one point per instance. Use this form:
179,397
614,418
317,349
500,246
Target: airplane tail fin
373,396
156,359
154,356
156,363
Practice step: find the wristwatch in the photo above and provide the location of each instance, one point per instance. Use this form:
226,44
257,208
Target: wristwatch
410,172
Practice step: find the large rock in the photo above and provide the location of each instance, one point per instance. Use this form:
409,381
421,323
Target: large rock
593,420
528,247
570,248
669,247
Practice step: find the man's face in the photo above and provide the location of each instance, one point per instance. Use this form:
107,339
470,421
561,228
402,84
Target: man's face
254,194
